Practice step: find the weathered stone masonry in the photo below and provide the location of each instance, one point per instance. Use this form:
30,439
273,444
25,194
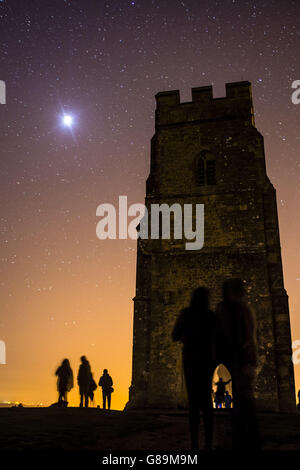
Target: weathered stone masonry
209,151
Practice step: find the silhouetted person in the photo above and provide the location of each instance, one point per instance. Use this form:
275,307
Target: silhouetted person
106,383
227,400
84,380
220,392
195,329
237,350
64,381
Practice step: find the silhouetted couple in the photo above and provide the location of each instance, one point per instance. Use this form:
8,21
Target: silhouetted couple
65,382
227,337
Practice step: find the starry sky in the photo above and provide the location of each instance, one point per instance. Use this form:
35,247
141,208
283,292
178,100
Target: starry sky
64,292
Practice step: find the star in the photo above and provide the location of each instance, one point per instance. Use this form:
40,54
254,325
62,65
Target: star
67,120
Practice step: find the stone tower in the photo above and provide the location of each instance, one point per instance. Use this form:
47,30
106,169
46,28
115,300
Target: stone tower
209,151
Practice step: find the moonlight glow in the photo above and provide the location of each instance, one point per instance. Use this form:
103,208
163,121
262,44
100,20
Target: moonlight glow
67,120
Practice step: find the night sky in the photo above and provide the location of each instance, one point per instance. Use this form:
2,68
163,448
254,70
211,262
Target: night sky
65,293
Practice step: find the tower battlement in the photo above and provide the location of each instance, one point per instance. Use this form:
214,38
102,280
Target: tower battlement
237,104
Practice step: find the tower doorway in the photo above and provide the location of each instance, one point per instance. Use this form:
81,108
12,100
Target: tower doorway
222,388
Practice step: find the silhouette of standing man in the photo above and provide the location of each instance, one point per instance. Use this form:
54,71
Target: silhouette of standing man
195,329
84,380
237,350
64,381
106,383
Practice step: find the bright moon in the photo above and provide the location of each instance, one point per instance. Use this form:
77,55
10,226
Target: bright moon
67,120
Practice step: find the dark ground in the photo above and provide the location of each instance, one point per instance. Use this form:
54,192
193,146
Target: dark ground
41,429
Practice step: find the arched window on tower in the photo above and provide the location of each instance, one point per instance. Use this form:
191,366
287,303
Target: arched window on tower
205,169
